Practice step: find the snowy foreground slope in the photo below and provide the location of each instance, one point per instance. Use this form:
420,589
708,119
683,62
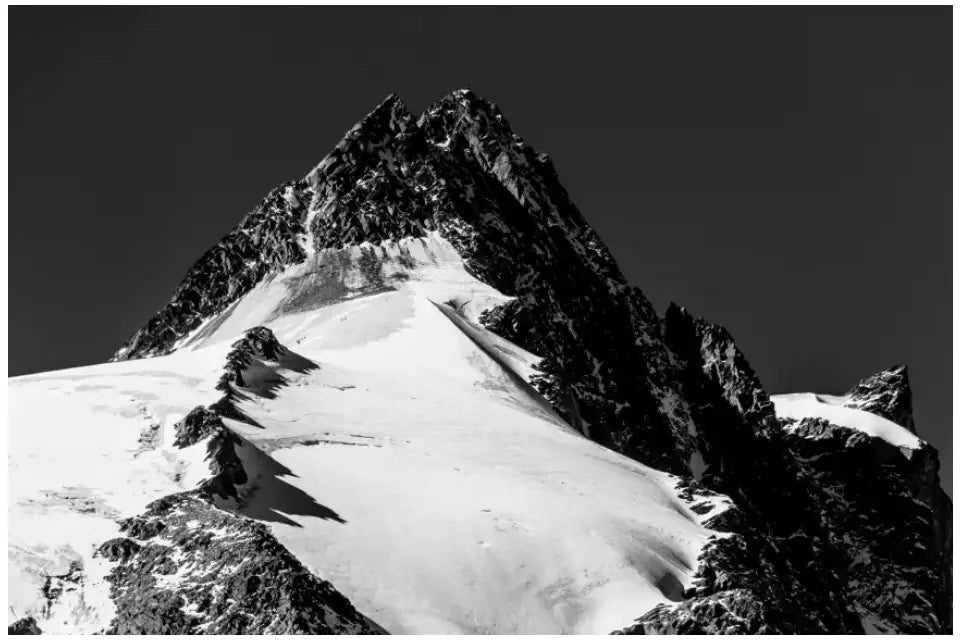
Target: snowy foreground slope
412,392
413,468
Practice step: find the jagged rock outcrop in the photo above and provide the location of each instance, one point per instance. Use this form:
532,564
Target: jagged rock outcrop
249,370
24,627
118,549
886,394
232,577
258,342
200,423
226,470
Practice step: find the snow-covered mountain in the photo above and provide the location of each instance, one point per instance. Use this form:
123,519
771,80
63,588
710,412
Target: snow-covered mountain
413,393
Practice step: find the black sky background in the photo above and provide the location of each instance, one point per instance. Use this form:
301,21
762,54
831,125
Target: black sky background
785,172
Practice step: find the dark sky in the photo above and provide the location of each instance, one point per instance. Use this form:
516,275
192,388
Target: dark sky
785,172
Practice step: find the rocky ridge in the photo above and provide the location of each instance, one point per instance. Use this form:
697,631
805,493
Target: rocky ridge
188,567
884,505
886,394
24,627
776,570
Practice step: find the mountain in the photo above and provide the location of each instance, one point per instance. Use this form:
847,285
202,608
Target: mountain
413,393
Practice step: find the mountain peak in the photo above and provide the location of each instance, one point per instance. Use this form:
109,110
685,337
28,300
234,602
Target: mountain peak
887,394
392,108
464,96
426,336
463,113
390,114
386,121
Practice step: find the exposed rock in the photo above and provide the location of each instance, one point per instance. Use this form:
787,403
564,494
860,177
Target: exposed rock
200,423
226,470
777,551
117,549
734,611
24,627
258,342
891,520
886,394
212,572
225,467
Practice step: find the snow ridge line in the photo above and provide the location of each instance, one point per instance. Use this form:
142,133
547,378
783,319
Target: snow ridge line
476,335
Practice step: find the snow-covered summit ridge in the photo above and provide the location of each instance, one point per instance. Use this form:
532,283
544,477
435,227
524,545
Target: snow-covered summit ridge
879,406
836,410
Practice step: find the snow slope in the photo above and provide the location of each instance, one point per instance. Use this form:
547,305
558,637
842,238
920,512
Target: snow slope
414,467
87,447
831,408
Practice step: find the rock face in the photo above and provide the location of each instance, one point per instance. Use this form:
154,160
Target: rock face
776,571
891,522
887,394
833,530
226,470
24,627
233,577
